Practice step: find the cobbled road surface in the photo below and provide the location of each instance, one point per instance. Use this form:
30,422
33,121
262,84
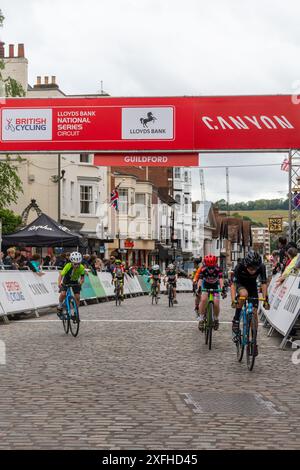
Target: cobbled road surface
141,377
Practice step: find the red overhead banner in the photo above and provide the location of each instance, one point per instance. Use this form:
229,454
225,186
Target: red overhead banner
168,124
150,159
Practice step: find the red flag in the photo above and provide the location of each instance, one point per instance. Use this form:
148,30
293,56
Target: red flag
285,165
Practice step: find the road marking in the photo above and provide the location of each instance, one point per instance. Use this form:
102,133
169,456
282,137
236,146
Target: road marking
125,321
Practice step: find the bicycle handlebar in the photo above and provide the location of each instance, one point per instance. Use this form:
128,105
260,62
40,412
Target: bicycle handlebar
211,290
252,298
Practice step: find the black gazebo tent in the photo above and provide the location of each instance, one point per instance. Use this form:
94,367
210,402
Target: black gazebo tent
43,231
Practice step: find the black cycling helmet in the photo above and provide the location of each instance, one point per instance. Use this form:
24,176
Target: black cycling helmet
253,259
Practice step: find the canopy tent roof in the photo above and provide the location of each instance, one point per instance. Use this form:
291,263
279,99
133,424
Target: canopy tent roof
43,231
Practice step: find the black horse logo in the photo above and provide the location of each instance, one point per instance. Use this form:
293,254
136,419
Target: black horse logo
149,118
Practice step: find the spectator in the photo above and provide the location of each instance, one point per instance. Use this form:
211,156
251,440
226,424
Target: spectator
86,261
282,252
47,261
9,261
99,264
275,261
60,261
35,264
92,264
292,254
1,260
143,271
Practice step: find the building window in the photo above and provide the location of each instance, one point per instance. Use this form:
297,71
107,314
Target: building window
186,177
164,209
86,199
178,198
85,158
72,190
123,200
140,205
177,173
186,205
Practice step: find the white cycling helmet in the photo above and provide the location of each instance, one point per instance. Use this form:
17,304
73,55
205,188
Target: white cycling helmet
76,257
171,266
155,267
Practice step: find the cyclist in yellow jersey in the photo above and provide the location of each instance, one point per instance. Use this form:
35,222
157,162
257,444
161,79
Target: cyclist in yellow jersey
72,274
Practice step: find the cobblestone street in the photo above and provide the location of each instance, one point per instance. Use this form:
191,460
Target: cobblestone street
141,377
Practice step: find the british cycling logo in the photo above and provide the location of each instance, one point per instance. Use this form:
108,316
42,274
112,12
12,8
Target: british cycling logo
9,126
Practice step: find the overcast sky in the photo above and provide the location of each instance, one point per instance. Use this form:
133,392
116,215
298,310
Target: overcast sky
168,47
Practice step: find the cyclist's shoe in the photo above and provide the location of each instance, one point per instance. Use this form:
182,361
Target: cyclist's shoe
201,325
175,301
235,327
216,325
60,312
122,298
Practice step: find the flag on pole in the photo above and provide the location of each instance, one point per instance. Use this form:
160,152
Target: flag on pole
285,165
114,198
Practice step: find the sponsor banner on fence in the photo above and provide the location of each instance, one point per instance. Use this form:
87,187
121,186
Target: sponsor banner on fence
105,280
43,289
87,291
97,286
14,294
285,305
134,285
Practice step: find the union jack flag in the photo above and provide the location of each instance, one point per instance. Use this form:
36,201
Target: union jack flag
285,165
114,199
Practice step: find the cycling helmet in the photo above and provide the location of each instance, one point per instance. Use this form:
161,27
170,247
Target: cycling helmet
253,259
171,266
155,267
118,262
210,260
75,257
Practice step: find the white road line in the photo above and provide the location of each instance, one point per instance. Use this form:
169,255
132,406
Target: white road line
124,321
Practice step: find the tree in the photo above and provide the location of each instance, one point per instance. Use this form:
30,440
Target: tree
10,182
10,221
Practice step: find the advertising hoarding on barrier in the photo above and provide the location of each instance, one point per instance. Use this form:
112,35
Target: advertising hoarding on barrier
96,285
43,290
105,280
161,160
87,291
134,285
284,305
14,294
1,311
159,124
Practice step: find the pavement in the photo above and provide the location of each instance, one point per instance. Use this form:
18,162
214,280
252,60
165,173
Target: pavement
141,377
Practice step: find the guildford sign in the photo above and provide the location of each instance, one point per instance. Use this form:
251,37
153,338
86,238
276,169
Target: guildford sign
161,125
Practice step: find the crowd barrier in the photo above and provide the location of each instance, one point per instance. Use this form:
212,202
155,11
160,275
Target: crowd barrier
284,306
25,291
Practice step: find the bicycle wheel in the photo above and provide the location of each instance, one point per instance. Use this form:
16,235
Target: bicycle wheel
66,322
240,343
209,325
117,294
171,297
250,345
74,320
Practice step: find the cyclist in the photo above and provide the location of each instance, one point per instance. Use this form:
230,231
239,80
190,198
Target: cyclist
171,279
244,284
197,285
155,276
72,274
119,274
212,278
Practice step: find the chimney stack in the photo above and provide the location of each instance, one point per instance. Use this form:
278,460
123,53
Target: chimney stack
53,79
2,50
46,80
21,51
11,51
39,80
